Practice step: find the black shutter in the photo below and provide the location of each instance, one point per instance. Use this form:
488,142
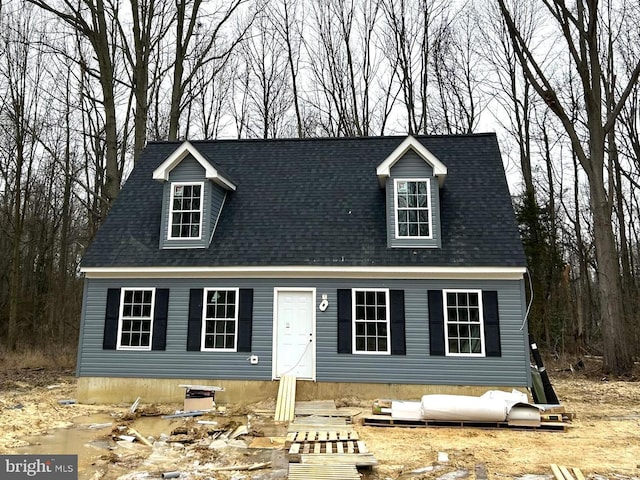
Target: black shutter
491,324
344,320
160,314
245,319
398,344
194,325
436,323
112,314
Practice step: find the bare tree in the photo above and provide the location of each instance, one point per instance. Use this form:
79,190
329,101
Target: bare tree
409,35
285,21
265,60
199,40
581,30
150,22
93,20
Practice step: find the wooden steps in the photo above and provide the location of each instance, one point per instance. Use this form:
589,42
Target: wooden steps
324,437
286,401
301,471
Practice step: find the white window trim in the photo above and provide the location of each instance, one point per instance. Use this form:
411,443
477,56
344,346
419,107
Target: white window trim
171,211
119,346
395,208
353,321
204,320
446,322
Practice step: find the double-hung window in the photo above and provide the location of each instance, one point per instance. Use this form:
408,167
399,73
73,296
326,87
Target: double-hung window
220,319
371,321
185,217
136,319
413,208
464,328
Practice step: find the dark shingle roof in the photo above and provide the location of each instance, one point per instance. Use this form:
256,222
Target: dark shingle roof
318,202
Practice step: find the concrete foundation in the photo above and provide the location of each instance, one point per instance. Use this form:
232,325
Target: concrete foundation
107,390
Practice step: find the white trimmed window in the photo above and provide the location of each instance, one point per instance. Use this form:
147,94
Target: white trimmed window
185,217
371,321
136,318
220,319
464,327
413,208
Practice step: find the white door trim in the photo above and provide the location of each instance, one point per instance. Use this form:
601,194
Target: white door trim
276,293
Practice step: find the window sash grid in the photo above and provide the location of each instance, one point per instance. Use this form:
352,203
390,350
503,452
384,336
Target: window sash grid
220,333
370,336
467,301
134,324
183,228
409,226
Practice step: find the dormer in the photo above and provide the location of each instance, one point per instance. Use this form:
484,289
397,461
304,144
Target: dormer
192,199
412,177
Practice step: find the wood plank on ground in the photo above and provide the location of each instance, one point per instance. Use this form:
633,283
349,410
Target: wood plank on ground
285,403
319,420
357,459
300,427
298,471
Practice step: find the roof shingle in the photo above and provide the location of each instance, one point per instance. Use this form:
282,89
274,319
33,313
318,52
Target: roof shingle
317,202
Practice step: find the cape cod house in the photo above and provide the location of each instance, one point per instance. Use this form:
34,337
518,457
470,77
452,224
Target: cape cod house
379,266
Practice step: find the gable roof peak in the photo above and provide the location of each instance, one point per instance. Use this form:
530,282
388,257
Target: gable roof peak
411,143
185,149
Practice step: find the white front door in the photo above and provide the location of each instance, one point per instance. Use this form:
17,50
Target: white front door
294,332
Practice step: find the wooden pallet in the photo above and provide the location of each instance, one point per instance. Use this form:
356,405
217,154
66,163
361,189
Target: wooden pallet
285,403
387,421
356,459
299,471
327,449
321,436
318,420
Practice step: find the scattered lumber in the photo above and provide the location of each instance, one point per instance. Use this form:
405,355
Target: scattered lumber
562,473
140,437
285,403
239,468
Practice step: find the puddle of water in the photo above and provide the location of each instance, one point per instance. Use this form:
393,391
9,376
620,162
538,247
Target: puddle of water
90,437
70,441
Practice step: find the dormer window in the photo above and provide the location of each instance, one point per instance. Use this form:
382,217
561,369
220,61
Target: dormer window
185,219
193,195
412,178
413,208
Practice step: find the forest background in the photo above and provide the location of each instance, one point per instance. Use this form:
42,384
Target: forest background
85,84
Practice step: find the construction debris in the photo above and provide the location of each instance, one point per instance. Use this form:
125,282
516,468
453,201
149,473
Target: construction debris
134,407
563,473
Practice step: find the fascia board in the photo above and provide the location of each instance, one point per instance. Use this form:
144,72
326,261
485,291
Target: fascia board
411,143
470,273
186,148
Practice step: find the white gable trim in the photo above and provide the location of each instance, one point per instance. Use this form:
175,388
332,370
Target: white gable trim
162,172
465,273
410,143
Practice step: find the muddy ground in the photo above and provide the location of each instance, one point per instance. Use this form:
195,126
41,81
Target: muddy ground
603,440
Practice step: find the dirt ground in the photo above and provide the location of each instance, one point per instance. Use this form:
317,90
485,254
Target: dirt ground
603,440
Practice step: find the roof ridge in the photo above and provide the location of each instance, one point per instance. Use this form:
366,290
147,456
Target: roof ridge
305,139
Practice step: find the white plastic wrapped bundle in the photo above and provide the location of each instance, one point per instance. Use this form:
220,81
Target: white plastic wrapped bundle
463,408
406,410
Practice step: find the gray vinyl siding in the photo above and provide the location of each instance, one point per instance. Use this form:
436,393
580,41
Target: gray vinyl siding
412,166
218,195
189,170
416,367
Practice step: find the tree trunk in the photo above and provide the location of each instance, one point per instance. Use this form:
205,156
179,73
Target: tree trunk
616,357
